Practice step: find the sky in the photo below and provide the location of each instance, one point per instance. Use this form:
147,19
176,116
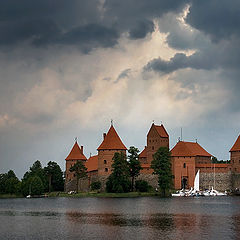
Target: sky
68,67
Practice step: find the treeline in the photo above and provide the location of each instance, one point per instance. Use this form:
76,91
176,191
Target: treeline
36,181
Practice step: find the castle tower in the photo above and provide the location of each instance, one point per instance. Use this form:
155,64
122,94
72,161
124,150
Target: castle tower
157,137
75,155
235,156
111,144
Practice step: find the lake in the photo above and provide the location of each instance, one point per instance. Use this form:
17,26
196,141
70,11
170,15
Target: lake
120,218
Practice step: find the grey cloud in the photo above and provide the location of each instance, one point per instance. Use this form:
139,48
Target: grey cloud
85,24
180,61
141,30
218,18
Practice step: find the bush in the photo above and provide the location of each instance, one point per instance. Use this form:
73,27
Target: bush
95,185
115,186
142,186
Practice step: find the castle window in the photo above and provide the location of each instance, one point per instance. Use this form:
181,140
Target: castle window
152,147
105,161
106,169
184,165
74,175
149,140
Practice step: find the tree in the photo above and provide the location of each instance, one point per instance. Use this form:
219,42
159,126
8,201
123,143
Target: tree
55,176
118,181
161,164
80,171
142,186
35,170
36,186
96,185
133,164
8,182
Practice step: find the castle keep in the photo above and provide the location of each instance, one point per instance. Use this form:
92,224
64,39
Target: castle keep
187,158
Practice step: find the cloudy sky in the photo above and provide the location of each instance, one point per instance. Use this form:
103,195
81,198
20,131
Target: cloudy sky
68,67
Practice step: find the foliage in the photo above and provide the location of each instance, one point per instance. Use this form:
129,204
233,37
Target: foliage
118,181
8,182
161,164
36,186
96,185
54,175
215,160
80,171
133,164
35,171
142,186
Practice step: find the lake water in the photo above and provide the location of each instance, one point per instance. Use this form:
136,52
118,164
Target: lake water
120,218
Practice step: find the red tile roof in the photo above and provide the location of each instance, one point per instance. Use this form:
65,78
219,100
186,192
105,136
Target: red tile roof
92,163
143,154
188,149
161,131
236,145
76,153
112,141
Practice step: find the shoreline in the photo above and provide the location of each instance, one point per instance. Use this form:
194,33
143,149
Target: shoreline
89,194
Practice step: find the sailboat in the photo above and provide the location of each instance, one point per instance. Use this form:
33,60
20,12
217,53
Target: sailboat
192,192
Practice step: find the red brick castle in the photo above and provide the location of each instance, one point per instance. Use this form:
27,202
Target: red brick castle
187,158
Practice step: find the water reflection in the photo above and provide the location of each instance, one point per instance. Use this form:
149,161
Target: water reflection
146,218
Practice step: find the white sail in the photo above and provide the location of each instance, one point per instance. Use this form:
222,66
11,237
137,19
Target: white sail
196,181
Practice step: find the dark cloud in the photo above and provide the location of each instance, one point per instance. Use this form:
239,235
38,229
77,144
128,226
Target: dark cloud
141,29
218,18
85,24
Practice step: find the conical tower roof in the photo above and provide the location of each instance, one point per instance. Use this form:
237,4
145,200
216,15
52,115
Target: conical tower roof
76,153
112,141
236,145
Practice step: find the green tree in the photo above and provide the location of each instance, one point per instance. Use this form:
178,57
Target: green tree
161,165
133,164
36,186
3,179
142,186
79,170
11,185
96,185
8,182
35,170
118,181
55,177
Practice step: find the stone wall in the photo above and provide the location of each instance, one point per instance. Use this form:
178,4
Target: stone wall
150,178
235,181
223,181
83,185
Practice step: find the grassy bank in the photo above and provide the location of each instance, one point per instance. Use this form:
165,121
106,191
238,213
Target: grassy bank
104,194
10,196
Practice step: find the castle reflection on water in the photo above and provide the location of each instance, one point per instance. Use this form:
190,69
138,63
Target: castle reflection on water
120,218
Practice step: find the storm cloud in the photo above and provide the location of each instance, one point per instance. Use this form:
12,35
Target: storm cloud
68,67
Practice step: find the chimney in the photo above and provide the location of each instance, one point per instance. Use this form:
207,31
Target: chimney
104,135
81,149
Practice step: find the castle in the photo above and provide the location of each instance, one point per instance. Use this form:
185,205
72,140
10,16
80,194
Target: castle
187,158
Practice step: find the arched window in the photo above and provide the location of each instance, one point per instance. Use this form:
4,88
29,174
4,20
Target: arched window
184,165
105,161
152,147
106,169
